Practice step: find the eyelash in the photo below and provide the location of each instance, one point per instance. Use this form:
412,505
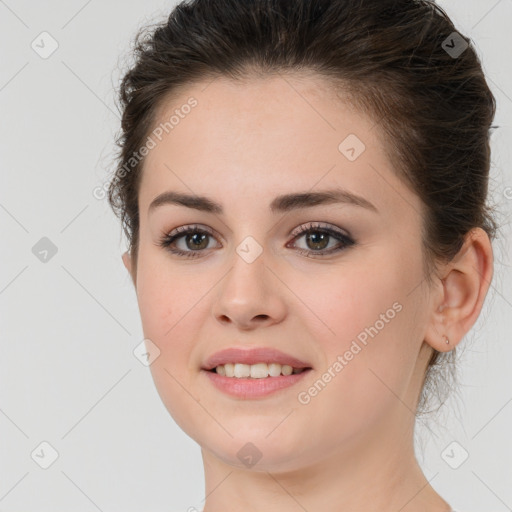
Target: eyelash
345,241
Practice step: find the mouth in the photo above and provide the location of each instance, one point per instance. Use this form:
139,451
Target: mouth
252,373
256,371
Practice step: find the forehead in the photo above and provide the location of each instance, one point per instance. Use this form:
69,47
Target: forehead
266,136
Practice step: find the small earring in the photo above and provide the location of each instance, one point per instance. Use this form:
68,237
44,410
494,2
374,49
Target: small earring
447,340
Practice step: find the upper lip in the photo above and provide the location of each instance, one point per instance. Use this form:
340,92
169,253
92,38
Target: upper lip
252,356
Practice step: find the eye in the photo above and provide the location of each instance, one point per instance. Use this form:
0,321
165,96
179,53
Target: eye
317,237
193,237
195,240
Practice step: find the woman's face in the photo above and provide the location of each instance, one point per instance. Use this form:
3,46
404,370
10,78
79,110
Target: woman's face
354,307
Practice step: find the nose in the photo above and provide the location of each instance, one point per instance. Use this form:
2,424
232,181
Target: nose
250,295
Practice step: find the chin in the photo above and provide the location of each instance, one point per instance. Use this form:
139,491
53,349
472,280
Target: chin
258,448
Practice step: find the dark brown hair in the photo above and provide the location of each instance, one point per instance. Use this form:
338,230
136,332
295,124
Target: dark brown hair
400,62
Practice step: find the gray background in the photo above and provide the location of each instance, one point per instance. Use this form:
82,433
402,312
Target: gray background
69,325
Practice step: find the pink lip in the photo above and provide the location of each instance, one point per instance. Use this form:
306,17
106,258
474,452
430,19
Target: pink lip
245,388
252,356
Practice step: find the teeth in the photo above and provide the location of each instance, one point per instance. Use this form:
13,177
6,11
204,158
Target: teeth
255,371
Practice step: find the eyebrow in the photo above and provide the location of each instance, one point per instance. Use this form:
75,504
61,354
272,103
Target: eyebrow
280,204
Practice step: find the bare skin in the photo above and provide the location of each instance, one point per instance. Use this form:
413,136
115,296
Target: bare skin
350,447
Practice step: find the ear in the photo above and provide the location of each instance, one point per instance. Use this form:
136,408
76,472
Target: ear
460,293
127,260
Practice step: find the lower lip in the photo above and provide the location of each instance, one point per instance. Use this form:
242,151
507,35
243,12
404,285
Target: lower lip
254,388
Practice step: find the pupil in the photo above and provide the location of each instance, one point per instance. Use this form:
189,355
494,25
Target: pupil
195,237
320,236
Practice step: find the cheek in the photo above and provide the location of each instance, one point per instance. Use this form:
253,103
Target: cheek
366,370
168,314
367,319
161,294
157,305
347,302
173,308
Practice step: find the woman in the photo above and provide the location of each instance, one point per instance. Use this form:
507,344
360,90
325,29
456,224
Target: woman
303,187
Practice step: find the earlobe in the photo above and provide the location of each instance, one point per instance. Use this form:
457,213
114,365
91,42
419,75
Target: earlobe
462,292
127,260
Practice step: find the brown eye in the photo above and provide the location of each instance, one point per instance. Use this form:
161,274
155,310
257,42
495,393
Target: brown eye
319,241
318,238
195,241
